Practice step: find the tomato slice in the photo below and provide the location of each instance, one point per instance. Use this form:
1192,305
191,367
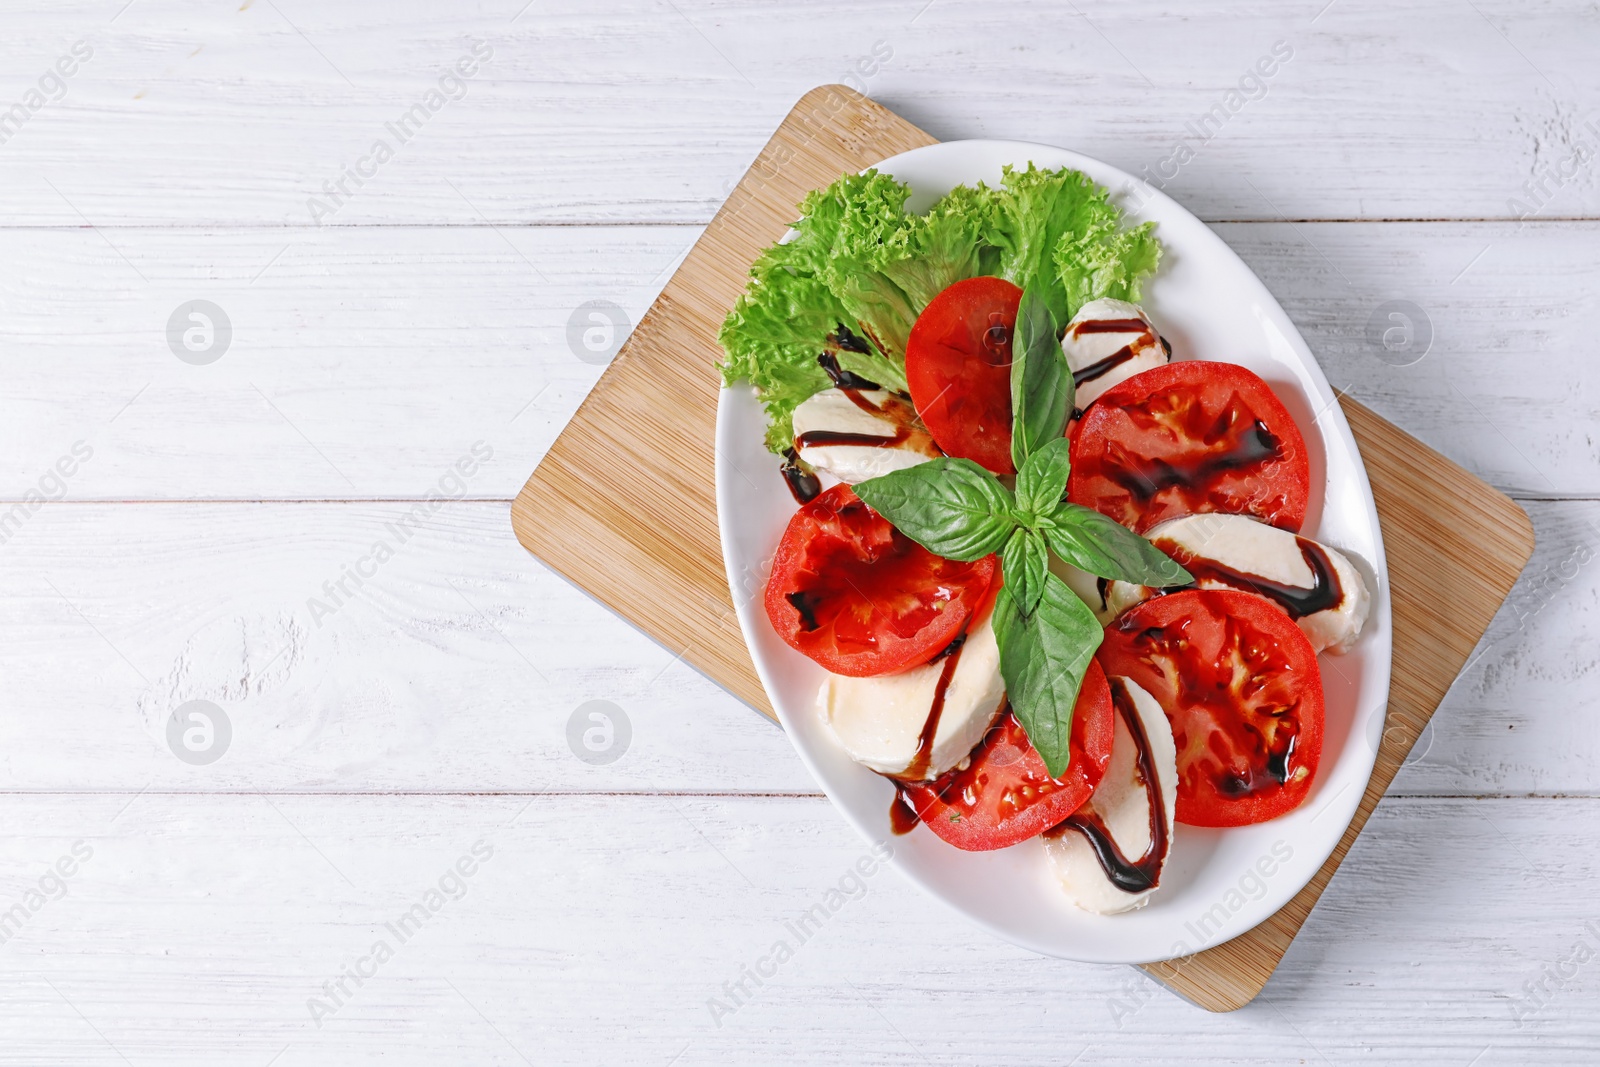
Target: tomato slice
860,597
1005,795
1240,684
1190,437
958,367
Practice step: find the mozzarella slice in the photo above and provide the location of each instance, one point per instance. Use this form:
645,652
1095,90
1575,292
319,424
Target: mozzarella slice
1097,359
1121,806
880,433
880,720
1239,552
1091,590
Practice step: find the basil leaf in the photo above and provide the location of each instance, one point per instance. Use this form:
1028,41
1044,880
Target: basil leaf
1043,658
1042,480
1090,541
951,507
1025,562
1041,386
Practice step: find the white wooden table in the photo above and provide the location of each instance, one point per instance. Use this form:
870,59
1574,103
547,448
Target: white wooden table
229,912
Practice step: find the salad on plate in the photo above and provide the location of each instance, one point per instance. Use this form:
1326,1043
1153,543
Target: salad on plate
1054,574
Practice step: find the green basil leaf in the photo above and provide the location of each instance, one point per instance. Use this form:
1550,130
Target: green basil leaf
1041,386
1090,541
1025,562
1043,658
952,507
1042,480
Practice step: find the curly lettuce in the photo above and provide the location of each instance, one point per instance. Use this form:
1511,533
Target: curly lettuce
860,266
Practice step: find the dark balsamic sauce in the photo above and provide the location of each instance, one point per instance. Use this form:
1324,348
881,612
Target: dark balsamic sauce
820,438
1278,762
1130,876
930,726
895,407
1101,367
843,339
1110,326
1325,592
803,484
806,605
841,378
903,817
1145,476
1240,784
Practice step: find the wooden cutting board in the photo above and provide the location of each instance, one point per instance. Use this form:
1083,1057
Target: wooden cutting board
624,502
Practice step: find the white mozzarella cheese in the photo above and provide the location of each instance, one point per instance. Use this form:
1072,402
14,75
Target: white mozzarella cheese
868,413
1275,557
1121,805
1091,590
880,720
1097,357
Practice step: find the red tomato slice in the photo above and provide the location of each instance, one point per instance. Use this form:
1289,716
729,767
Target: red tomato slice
958,367
1240,684
1190,437
861,598
1005,795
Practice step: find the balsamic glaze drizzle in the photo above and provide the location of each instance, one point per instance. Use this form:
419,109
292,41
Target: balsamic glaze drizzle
806,605
803,484
1325,592
920,763
841,378
819,438
1144,476
1101,367
844,339
903,816
1130,876
896,407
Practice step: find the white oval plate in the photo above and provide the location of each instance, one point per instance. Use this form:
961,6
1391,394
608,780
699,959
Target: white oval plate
1217,883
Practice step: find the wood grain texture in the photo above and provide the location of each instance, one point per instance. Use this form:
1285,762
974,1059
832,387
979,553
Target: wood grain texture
239,113
455,667
202,926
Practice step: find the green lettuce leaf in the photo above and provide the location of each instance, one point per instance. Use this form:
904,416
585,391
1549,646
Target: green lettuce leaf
1105,261
873,232
1034,210
772,339
860,260
946,245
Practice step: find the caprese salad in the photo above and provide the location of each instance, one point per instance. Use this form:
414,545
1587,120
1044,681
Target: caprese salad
1054,576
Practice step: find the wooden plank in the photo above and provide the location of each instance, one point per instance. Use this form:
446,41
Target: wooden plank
601,928
392,349
454,665
409,688
1425,110
651,550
